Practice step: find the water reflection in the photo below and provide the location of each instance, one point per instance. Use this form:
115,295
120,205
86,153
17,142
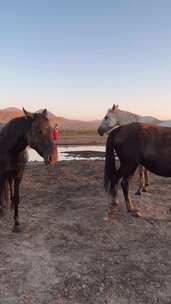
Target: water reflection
62,153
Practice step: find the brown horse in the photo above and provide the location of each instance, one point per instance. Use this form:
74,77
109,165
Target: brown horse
34,130
135,144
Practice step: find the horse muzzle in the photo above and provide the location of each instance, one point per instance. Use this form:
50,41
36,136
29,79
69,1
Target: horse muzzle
100,131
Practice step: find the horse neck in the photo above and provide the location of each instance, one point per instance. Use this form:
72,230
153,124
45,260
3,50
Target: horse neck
125,117
13,135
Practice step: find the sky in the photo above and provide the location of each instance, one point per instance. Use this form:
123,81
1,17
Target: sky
77,58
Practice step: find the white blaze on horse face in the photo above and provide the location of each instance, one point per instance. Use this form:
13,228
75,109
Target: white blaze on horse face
110,121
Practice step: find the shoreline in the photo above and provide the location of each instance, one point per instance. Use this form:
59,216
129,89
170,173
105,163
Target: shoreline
82,141
74,156
80,144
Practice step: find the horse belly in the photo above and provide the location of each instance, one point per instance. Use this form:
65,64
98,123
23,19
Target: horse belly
161,167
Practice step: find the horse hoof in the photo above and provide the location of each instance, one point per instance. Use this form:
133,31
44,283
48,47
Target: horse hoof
144,190
136,213
16,228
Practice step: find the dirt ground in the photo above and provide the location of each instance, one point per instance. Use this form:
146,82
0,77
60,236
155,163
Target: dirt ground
67,254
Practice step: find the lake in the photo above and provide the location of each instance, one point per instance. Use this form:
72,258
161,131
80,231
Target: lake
63,152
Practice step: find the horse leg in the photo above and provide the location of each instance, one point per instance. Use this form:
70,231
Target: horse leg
115,201
2,181
125,183
141,180
6,192
113,189
146,178
17,182
11,189
112,198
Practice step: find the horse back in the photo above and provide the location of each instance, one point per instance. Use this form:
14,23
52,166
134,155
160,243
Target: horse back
141,135
145,144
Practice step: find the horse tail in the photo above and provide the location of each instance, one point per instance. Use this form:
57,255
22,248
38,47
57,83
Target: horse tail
110,170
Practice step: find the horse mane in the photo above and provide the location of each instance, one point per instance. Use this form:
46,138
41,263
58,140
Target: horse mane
137,117
129,114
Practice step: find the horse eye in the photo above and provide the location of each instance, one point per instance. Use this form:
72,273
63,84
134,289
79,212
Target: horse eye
106,117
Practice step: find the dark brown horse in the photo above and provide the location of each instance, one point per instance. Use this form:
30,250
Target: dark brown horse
34,130
135,144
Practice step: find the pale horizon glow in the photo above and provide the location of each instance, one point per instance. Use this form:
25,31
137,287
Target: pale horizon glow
98,116
79,58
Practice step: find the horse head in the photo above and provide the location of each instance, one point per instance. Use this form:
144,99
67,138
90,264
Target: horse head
110,120
39,134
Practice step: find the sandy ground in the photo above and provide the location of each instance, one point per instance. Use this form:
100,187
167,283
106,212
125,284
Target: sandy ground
66,253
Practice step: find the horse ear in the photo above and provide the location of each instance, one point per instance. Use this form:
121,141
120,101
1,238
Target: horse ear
45,113
28,114
117,106
113,109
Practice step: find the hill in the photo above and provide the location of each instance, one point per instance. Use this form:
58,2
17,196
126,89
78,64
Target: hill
64,123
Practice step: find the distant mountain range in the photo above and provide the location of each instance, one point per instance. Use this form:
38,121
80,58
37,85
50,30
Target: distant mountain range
64,123
68,124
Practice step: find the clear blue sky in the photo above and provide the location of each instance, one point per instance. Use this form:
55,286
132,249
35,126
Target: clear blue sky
79,57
